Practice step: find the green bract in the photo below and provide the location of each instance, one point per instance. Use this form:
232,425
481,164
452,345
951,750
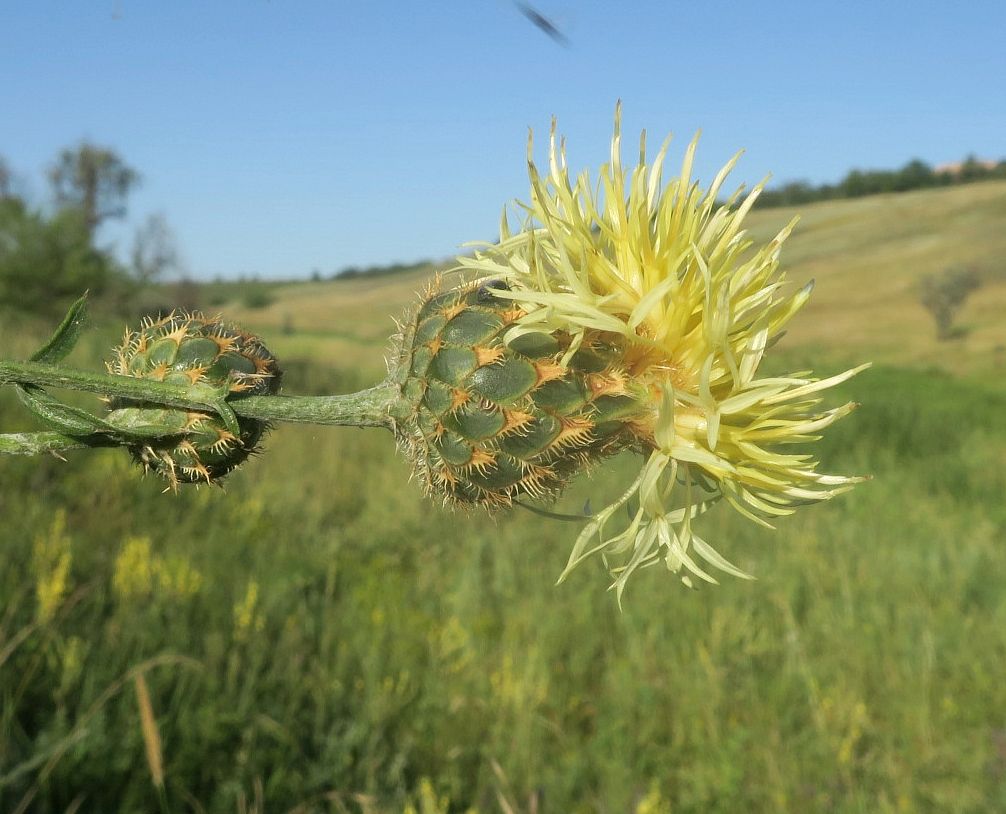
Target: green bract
485,421
190,349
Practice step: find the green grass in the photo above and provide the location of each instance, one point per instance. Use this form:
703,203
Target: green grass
320,638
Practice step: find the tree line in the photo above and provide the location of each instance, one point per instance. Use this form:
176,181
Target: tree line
916,174
349,272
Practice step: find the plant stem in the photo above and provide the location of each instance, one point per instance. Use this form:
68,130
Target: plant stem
105,384
35,443
367,408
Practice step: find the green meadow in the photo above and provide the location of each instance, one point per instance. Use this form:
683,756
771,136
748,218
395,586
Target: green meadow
317,637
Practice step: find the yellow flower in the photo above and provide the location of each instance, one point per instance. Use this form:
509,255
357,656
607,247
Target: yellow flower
134,569
51,559
668,273
247,619
139,573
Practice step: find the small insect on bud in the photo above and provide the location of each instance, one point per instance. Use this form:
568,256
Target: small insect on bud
189,348
486,290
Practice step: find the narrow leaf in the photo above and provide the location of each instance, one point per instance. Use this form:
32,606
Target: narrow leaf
61,416
66,336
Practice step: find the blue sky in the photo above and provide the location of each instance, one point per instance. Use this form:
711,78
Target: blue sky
280,136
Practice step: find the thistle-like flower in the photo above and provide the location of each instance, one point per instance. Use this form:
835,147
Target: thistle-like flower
665,273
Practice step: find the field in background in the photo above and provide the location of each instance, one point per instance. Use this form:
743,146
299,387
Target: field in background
320,638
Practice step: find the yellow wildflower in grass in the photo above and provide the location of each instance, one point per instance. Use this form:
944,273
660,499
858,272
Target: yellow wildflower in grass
428,800
140,573
653,802
247,619
133,575
666,272
51,559
72,653
176,577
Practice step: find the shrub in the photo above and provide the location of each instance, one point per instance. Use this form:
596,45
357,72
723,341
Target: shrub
943,294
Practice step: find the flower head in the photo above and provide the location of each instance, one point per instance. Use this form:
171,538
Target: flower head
666,272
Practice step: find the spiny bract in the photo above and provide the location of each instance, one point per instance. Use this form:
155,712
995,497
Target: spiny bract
485,421
189,348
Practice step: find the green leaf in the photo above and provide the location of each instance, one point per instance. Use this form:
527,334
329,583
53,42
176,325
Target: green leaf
66,336
63,417
45,407
227,415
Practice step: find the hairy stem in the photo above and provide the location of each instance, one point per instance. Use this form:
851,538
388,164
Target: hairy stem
367,408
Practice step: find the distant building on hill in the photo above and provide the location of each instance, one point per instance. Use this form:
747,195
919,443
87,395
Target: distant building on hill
957,167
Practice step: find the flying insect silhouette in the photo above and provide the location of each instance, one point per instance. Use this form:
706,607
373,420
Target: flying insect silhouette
542,22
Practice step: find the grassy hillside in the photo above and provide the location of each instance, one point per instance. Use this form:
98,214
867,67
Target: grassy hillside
319,638
866,257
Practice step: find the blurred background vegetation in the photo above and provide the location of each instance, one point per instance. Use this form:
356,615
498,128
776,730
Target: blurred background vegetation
319,638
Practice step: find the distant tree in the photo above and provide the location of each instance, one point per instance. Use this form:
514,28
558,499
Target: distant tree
6,180
854,184
943,294
972,169
46,261
914,175
154,250
789,194
95,180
